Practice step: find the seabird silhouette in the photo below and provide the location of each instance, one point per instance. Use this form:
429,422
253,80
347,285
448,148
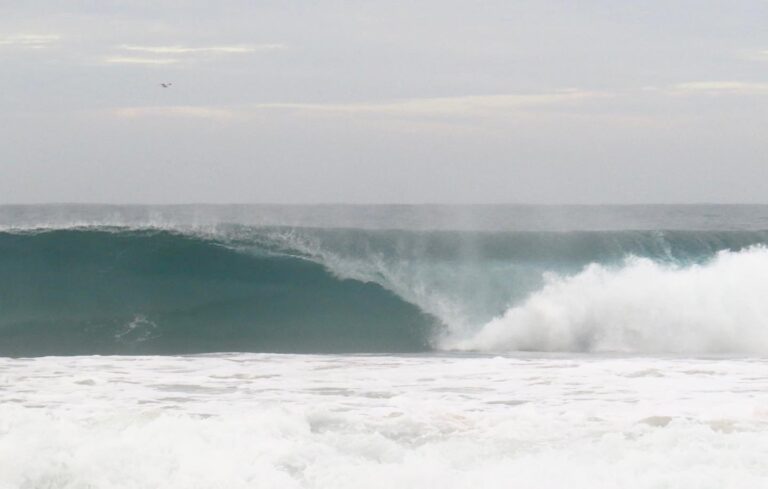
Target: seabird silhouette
166,85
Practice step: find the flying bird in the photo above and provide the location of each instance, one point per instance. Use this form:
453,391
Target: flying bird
166,85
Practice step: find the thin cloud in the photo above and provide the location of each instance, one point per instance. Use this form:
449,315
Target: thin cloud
159,55
469,106
755,55
720,88
140,61
29,41
444,106
180,49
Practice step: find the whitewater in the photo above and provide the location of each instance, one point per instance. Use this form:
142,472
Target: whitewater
383,346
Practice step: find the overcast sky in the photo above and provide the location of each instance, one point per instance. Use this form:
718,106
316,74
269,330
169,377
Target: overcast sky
499,101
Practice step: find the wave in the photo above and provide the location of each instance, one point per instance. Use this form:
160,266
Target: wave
173,289
642,306
71,292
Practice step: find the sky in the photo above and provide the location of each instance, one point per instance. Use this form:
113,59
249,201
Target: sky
330,101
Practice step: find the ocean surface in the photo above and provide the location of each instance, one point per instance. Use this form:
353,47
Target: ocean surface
332,346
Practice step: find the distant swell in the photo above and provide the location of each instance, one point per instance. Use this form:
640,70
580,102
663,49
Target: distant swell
120,290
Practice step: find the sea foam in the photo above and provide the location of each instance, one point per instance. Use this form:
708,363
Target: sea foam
641,306
337,422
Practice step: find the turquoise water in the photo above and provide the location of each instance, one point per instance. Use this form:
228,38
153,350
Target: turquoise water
114,281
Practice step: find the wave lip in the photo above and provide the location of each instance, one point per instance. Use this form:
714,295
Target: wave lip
641,306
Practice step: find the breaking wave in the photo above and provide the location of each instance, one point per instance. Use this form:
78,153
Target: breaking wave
642,306
165,290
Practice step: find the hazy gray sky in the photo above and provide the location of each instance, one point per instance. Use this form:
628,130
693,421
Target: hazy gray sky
590,101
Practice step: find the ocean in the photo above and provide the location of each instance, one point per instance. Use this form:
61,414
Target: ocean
329,346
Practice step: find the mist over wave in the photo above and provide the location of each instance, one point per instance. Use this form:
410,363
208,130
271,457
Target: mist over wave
677,292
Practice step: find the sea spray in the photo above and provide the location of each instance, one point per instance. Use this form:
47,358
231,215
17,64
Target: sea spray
641,306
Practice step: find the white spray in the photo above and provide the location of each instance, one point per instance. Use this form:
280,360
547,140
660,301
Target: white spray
641,306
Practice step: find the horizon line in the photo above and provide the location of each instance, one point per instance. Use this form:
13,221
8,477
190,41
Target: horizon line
379,204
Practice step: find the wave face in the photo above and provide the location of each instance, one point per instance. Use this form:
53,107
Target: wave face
195,289
156,292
